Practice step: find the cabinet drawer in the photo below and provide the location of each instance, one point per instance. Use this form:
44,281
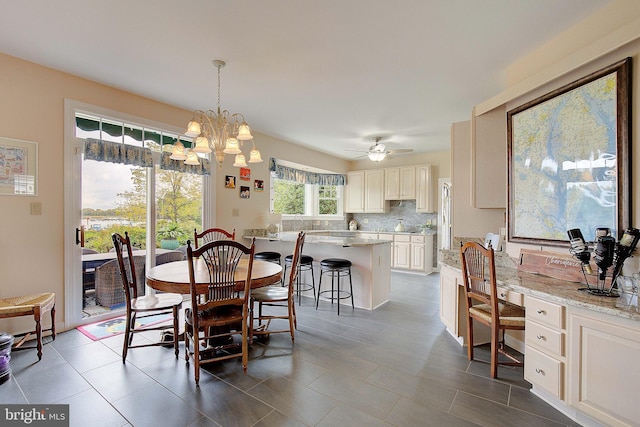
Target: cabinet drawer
511,296
371,236
544,312
417,239
544,338
385,237
544,371
402,238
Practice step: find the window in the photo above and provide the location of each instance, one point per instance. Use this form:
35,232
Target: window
292,198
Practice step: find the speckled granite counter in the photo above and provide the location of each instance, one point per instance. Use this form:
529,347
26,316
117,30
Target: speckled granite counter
340,238
547,288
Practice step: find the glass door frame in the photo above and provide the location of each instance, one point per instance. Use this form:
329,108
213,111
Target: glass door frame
73,158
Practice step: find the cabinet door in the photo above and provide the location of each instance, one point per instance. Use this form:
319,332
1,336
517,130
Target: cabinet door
354,191
449,300
374,191
402,254
424,194
392,184
408,183
417,256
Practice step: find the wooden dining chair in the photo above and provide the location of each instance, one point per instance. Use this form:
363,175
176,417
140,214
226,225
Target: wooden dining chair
219,308
31,305
484,305
139,307
281,297
213,234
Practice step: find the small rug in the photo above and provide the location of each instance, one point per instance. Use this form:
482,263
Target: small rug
111,327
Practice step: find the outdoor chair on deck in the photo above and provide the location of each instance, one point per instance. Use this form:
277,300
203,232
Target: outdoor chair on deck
88,275
483,304
139,307
169,257
281,297
213,234
219,309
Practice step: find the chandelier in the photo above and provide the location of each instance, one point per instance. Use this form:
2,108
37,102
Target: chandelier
219,132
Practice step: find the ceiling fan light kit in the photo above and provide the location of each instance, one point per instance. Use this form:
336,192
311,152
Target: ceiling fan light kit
378,151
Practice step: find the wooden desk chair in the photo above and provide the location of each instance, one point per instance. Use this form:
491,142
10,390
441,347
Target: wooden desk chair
278,297
28,305
143,306
223,312
213,234
483,304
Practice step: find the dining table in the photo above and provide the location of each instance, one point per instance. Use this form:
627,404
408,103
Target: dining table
174,276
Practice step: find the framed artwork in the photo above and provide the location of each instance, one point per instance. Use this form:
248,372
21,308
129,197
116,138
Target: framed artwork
18,167
569,160
229,181
258,185
245,192
245,174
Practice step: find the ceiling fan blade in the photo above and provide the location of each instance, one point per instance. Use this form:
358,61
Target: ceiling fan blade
358,151
400,151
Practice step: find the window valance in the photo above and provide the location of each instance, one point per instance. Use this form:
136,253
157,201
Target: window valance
305,177
116,152
167,163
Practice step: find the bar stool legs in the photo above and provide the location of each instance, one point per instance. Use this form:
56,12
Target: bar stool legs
338,268
306,264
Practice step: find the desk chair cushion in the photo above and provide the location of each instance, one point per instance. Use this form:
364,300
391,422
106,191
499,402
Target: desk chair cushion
510,315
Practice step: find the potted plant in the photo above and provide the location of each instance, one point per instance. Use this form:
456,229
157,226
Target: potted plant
169,236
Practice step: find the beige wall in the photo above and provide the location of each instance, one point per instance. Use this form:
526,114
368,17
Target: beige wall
254,212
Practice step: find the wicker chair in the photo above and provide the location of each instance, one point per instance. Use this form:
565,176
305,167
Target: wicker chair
223,310
138,306
281,297
109,289
483,304
169,257
31,305
88,275
213,234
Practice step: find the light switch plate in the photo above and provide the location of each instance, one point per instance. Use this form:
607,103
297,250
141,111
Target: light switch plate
36,208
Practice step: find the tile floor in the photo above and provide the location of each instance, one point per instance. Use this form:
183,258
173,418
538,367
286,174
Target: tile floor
395,366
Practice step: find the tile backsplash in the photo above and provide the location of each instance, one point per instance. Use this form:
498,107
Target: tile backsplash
398,209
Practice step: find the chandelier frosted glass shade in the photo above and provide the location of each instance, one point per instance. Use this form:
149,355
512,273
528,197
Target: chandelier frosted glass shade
178,152
219,132
192,159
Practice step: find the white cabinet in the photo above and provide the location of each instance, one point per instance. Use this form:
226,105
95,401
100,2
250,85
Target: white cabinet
374,201
400,183
421,250
449,282
402,251
544,339
424,191
365,192
354,192
603,380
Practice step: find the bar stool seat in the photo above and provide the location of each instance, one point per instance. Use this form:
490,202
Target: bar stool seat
269,256
337,267
306,264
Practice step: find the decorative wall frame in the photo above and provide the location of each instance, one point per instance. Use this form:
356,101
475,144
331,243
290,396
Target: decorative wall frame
18,167
569,159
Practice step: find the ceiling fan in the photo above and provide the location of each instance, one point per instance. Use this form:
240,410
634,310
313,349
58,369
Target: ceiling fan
378,151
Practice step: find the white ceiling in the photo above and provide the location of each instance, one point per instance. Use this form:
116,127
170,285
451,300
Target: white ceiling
327,74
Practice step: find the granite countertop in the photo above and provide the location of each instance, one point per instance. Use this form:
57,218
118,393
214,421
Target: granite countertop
341,238
547,288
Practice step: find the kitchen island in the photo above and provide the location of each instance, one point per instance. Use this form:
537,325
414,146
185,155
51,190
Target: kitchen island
371,259
581,350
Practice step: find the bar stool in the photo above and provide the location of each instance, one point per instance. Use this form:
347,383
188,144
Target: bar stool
306,264
337,267
274,257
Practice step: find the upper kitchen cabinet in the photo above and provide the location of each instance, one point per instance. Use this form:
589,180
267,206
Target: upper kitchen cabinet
424,193
400,183
489,159
365,192
354,192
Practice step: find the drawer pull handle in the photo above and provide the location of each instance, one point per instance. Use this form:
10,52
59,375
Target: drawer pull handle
541,312
503,295
540,337
539,371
